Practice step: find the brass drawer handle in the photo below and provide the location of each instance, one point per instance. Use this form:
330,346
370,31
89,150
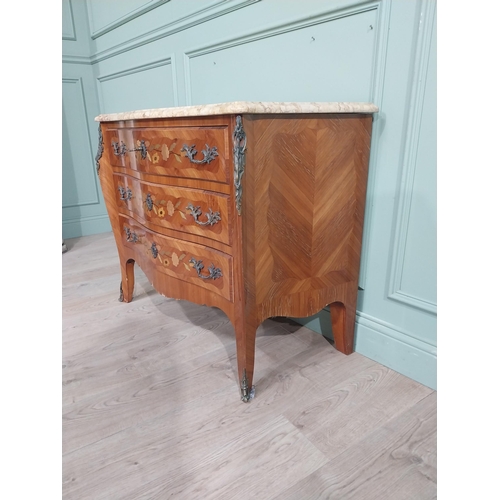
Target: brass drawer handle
143,149
154,250
125,194
213,272
131,236
209,153
212,217
149,202
121,149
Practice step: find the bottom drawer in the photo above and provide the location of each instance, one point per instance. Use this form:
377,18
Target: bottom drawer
196,264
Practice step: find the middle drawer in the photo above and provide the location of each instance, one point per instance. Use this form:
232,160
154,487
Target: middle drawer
182,209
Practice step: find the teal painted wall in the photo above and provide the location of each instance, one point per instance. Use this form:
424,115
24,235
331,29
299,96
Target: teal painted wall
83,210
133,54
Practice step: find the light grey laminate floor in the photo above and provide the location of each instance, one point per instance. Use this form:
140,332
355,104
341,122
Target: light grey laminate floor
151,406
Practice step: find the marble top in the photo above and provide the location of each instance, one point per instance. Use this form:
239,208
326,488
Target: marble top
243,107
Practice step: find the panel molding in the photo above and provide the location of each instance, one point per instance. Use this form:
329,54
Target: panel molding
71,35
73,59
167,61
199,16
79,81
96,33
409,160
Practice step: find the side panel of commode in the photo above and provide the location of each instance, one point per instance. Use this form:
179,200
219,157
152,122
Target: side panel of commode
304,195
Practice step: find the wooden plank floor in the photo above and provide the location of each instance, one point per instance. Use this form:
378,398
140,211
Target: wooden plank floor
151,406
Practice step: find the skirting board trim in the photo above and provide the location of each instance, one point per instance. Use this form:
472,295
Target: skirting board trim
386,345
86,226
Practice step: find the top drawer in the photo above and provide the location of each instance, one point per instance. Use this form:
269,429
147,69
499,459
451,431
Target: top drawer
192,152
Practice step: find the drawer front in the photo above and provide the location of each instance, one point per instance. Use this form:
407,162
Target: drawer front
192,152
196,264
182,209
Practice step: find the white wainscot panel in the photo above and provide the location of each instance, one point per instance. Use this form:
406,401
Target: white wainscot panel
330,60
79,181
142,87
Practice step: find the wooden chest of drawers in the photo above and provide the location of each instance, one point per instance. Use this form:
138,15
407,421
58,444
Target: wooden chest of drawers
254,208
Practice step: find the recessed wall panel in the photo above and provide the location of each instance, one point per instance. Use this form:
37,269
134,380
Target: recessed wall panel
329,61
419,274
78,177
148,86
68,25
108,15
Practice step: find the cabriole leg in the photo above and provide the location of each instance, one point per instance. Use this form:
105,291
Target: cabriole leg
343,314
127,284
245,352
343,318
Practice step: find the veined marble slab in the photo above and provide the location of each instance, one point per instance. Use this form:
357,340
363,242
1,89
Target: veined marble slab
243,107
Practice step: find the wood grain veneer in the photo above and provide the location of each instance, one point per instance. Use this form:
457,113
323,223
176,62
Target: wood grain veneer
293,249
171,207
